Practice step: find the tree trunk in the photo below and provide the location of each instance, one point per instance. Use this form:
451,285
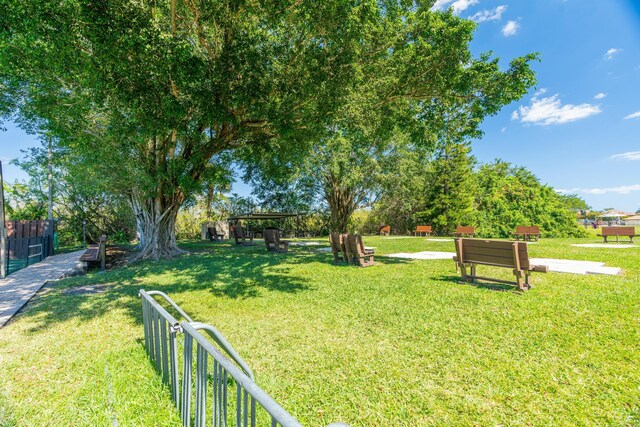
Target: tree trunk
341,203
155,221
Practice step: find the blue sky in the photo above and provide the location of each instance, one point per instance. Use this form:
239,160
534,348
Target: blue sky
579,129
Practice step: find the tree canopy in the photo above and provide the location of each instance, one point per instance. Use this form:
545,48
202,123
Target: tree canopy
149,94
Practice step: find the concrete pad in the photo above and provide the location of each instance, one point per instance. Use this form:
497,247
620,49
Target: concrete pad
328,249
439,240
423,255
576,267
304,243
604,245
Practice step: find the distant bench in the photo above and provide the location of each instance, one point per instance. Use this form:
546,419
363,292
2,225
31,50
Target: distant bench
497,253
423,229
527,232
96,253
629,232
384,230
464,230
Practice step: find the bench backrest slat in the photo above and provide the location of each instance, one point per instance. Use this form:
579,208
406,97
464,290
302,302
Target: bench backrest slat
271,236
423,229
336,242
527,229
618,231
466,229
494,252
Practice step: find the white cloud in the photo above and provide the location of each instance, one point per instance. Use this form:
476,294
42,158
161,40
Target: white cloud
458,5
629,155
600,95
623,189
550,111
635,115
503,130
611,52
542,91
510,29
489,15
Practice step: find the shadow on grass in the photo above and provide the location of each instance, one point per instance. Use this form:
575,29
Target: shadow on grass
502,287
225,270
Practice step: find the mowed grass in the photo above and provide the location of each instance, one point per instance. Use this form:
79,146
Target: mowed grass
402,343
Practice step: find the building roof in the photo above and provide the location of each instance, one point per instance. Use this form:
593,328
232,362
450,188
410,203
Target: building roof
263,215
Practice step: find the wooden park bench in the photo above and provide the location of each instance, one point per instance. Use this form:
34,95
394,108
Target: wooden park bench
385,230
356,253
338,247
629,232
423,229
96,253
273,242
464,230
497,253
527,232
214,234
241,237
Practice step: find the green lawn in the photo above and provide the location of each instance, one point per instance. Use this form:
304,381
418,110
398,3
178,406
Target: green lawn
400,343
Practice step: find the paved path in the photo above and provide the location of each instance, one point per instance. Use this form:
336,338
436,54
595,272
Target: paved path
19,287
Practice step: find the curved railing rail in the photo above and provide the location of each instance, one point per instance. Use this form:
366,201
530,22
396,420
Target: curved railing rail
214,374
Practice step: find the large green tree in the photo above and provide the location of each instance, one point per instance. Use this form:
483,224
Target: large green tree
415,77
147,92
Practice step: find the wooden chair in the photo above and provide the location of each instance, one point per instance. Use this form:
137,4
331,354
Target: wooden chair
214,234
338,247
528,232
464,230
629,232
96,253
358,255
384,230
241,237
497,253
273,242
423,229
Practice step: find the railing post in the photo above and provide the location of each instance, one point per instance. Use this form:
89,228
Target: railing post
28,249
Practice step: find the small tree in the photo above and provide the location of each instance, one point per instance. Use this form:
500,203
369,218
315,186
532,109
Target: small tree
451,189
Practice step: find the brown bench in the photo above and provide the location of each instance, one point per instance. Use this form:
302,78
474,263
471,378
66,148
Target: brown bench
629,232
497,253
464,230
385,230
214,234
241,237
273,242
527,232
96,253
423,229
338,247
356,253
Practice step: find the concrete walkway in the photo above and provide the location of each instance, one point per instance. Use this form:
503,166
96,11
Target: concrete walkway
19,287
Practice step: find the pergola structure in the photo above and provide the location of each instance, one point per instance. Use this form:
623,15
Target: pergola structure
260,216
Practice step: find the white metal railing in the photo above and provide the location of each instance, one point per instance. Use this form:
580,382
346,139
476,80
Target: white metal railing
207,375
